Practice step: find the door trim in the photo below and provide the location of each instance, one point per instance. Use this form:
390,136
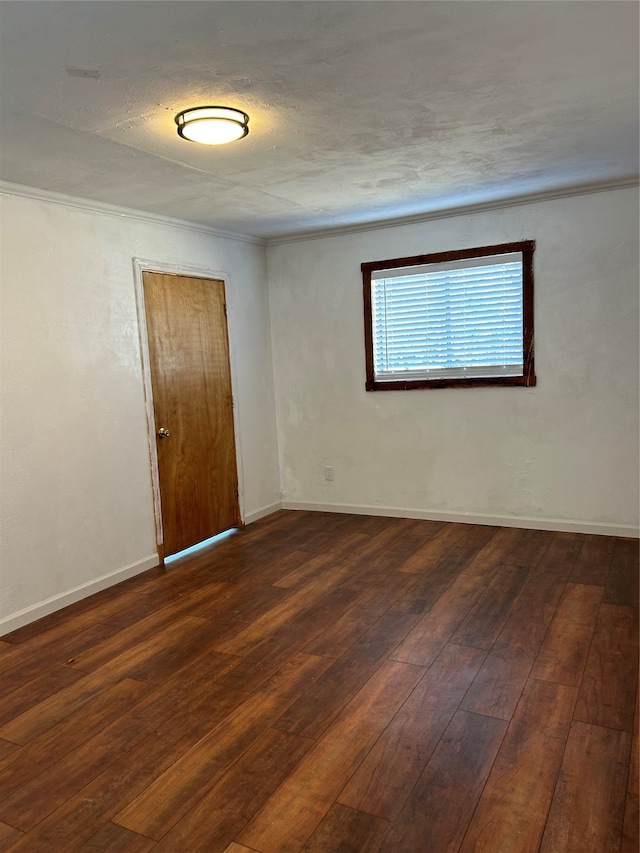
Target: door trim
140,266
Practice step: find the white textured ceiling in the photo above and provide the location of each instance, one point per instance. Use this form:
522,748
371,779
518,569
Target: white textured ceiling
360,111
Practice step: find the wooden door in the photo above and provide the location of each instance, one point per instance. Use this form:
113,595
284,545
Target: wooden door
192,402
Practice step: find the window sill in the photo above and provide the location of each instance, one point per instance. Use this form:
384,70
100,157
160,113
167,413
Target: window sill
477,382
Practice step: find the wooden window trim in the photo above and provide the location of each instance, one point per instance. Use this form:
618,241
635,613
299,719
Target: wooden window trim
528,378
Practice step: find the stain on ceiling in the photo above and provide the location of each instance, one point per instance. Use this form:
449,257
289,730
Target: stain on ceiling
359,111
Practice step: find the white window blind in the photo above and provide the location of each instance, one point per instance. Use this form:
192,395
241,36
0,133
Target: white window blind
449,320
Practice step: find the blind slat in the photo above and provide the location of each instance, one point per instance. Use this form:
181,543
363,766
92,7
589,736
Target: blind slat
441,320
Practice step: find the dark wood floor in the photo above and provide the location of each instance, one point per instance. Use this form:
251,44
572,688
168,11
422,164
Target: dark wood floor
327,683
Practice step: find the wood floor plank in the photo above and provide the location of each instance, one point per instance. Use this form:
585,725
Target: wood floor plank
59,782
292,607
344,829
564,652
594,558
34,693
385,778
192,687
338,637
630,831
7,748
587,811
412,537
189,639
376,569
306,571
115,839
634,766
174,792
378,546
530,548
622,581
240,603
61,653
373,524
495,553
485,620
294,811
513,807
434,580
189,599
46,792
442,803
261,568
280,644
498,686
608,692
560,555
434,549
272,570
9,835
123,640
60,740
69,801
424,642
225,809
477,536
324,536
318,706
156,650
127,606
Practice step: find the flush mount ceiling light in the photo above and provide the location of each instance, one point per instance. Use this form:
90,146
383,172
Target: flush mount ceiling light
212,125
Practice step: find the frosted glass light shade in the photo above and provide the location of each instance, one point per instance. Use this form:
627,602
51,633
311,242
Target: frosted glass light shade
212,125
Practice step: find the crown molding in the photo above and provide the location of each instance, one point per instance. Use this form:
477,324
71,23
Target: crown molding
11,189
446,213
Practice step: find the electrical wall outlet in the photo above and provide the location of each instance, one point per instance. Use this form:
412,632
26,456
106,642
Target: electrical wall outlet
328,472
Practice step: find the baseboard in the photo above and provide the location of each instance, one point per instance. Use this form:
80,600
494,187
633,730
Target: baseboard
57,602
557,524
262,512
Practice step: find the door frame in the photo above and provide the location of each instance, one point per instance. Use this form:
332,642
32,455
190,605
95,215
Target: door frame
140,266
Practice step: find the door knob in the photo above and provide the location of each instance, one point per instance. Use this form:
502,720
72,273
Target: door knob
163,433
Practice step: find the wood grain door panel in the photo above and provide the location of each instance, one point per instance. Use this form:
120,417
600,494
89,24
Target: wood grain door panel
192,399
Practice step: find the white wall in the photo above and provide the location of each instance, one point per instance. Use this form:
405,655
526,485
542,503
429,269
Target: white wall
562,455
77,508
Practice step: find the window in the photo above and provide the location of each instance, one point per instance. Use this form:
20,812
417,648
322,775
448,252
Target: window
452,319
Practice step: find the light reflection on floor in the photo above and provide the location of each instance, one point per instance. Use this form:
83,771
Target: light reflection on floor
199,545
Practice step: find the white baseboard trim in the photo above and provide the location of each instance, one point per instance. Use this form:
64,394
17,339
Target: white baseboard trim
57,602
557,524
262,512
